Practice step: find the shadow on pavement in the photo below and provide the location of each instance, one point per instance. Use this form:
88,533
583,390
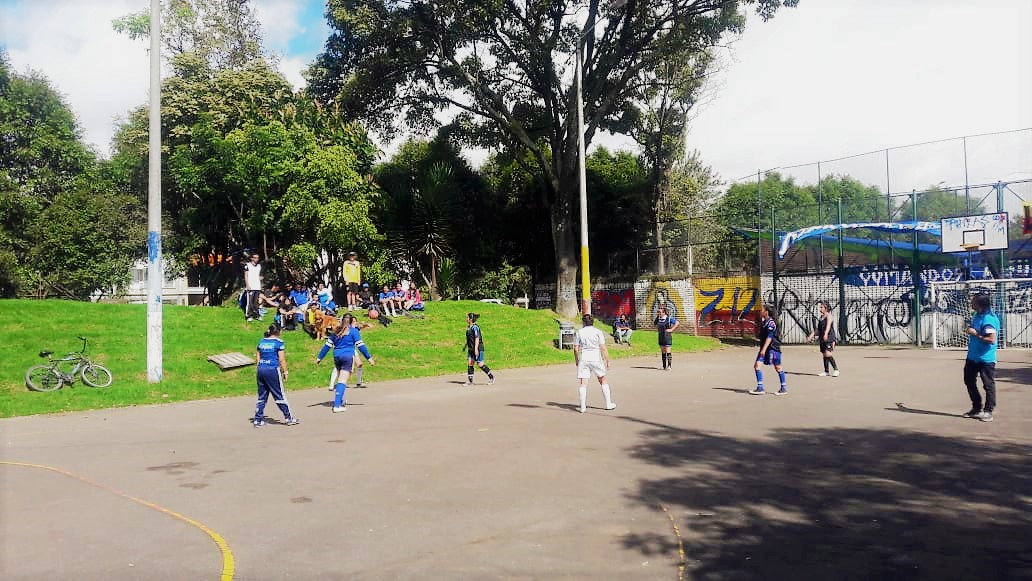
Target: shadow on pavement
838,503
1016,375
903,408
734,389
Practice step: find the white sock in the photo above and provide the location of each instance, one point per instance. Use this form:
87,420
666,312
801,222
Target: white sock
583,397
606,393
333,378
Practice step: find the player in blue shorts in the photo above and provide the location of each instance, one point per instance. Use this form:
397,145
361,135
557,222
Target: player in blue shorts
770,350
272,372
344,341
475,349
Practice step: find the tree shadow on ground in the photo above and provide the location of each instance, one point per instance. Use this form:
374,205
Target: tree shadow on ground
839,503
1015,375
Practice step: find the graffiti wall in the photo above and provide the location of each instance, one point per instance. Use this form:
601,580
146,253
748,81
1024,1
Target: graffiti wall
676,295
727,307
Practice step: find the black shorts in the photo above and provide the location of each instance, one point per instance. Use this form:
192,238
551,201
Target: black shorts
666,339
354,287
827,346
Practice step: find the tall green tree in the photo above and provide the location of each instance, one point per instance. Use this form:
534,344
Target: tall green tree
506,67
224,34
65,229
935,203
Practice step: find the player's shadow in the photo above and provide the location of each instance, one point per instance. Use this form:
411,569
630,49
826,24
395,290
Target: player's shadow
734,389
567,406
1017,375
329,404
523,405
644,367
802,373
900,407
832,503
457,382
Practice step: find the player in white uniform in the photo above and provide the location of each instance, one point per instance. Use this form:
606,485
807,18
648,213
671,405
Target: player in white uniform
591,356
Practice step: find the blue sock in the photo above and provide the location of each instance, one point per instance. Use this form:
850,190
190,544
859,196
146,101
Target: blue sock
759,379
338,396
781,374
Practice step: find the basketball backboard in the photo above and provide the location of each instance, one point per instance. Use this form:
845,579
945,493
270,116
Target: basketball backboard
981,232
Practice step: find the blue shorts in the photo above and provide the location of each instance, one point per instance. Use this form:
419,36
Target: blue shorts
771,358
344,362
478,358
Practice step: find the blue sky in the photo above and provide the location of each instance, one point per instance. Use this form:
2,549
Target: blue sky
828,79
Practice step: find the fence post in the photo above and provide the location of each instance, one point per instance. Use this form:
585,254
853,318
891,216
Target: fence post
774,256
841,280
1001,297
915,271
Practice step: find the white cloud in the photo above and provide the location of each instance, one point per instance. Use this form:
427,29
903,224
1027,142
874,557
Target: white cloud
102,74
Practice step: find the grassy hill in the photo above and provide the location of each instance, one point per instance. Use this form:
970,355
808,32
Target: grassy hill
117,335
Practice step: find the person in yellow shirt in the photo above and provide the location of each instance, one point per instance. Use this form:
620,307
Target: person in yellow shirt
353,279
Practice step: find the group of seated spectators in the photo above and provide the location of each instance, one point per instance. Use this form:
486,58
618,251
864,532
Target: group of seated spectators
296,304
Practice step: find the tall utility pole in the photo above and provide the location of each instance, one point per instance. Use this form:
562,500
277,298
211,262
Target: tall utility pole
155,272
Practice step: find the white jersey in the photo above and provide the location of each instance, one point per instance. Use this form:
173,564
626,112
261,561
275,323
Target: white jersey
590,340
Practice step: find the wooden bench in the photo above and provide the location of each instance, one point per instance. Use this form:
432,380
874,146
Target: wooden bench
231,360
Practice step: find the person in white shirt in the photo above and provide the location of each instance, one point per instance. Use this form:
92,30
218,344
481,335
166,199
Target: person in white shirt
591,356
253,287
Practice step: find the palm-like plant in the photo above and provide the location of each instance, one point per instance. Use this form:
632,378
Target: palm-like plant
423,233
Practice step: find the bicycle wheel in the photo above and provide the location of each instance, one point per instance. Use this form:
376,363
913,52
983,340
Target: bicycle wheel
43,378
95,375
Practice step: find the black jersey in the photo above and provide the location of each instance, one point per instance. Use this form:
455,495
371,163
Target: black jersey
822,325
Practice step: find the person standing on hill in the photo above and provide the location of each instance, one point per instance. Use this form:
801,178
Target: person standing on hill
666,324
272,372
352,279
475,350
591,356
981,358
252,287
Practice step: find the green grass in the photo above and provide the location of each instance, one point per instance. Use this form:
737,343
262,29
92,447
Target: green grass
117,335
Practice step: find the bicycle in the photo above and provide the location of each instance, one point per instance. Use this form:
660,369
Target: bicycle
51,377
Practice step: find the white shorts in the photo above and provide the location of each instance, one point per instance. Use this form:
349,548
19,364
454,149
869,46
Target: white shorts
586,368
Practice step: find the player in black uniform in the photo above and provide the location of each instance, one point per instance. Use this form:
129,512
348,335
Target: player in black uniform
475,350
825,334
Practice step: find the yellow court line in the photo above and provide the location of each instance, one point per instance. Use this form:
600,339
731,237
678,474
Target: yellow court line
680,542
228,565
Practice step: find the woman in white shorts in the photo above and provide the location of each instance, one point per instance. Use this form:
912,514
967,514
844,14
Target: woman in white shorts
591,356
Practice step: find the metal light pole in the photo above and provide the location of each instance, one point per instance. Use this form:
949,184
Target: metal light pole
582,169
155,272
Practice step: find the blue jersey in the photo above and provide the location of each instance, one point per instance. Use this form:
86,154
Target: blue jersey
769,330
345,344
269,349
979,350
387,295
300,297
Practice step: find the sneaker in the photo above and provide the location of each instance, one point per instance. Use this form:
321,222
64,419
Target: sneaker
360,384
291,422
490,380
340,409
822,374
757,391
582,409
834,373
469,384
781,391
259,423
249,319
985,416
611,406
973,413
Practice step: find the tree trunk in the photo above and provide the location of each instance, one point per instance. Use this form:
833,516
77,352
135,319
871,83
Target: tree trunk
660,263
566,248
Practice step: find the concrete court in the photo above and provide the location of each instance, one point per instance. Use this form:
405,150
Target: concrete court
869,475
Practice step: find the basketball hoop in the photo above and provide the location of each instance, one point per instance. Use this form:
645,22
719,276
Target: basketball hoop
971,246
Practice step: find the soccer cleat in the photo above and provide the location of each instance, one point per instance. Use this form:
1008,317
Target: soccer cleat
822,374
611,406
340,409
490,380
469,384
973,413
259,423
582,409
291,422
985,416
834,373
757,391
781,391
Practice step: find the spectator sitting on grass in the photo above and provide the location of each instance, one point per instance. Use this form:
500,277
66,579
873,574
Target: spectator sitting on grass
622,330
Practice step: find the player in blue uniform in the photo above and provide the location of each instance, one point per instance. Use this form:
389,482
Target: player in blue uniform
770,350
475,349
344,341
665,326
272,372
